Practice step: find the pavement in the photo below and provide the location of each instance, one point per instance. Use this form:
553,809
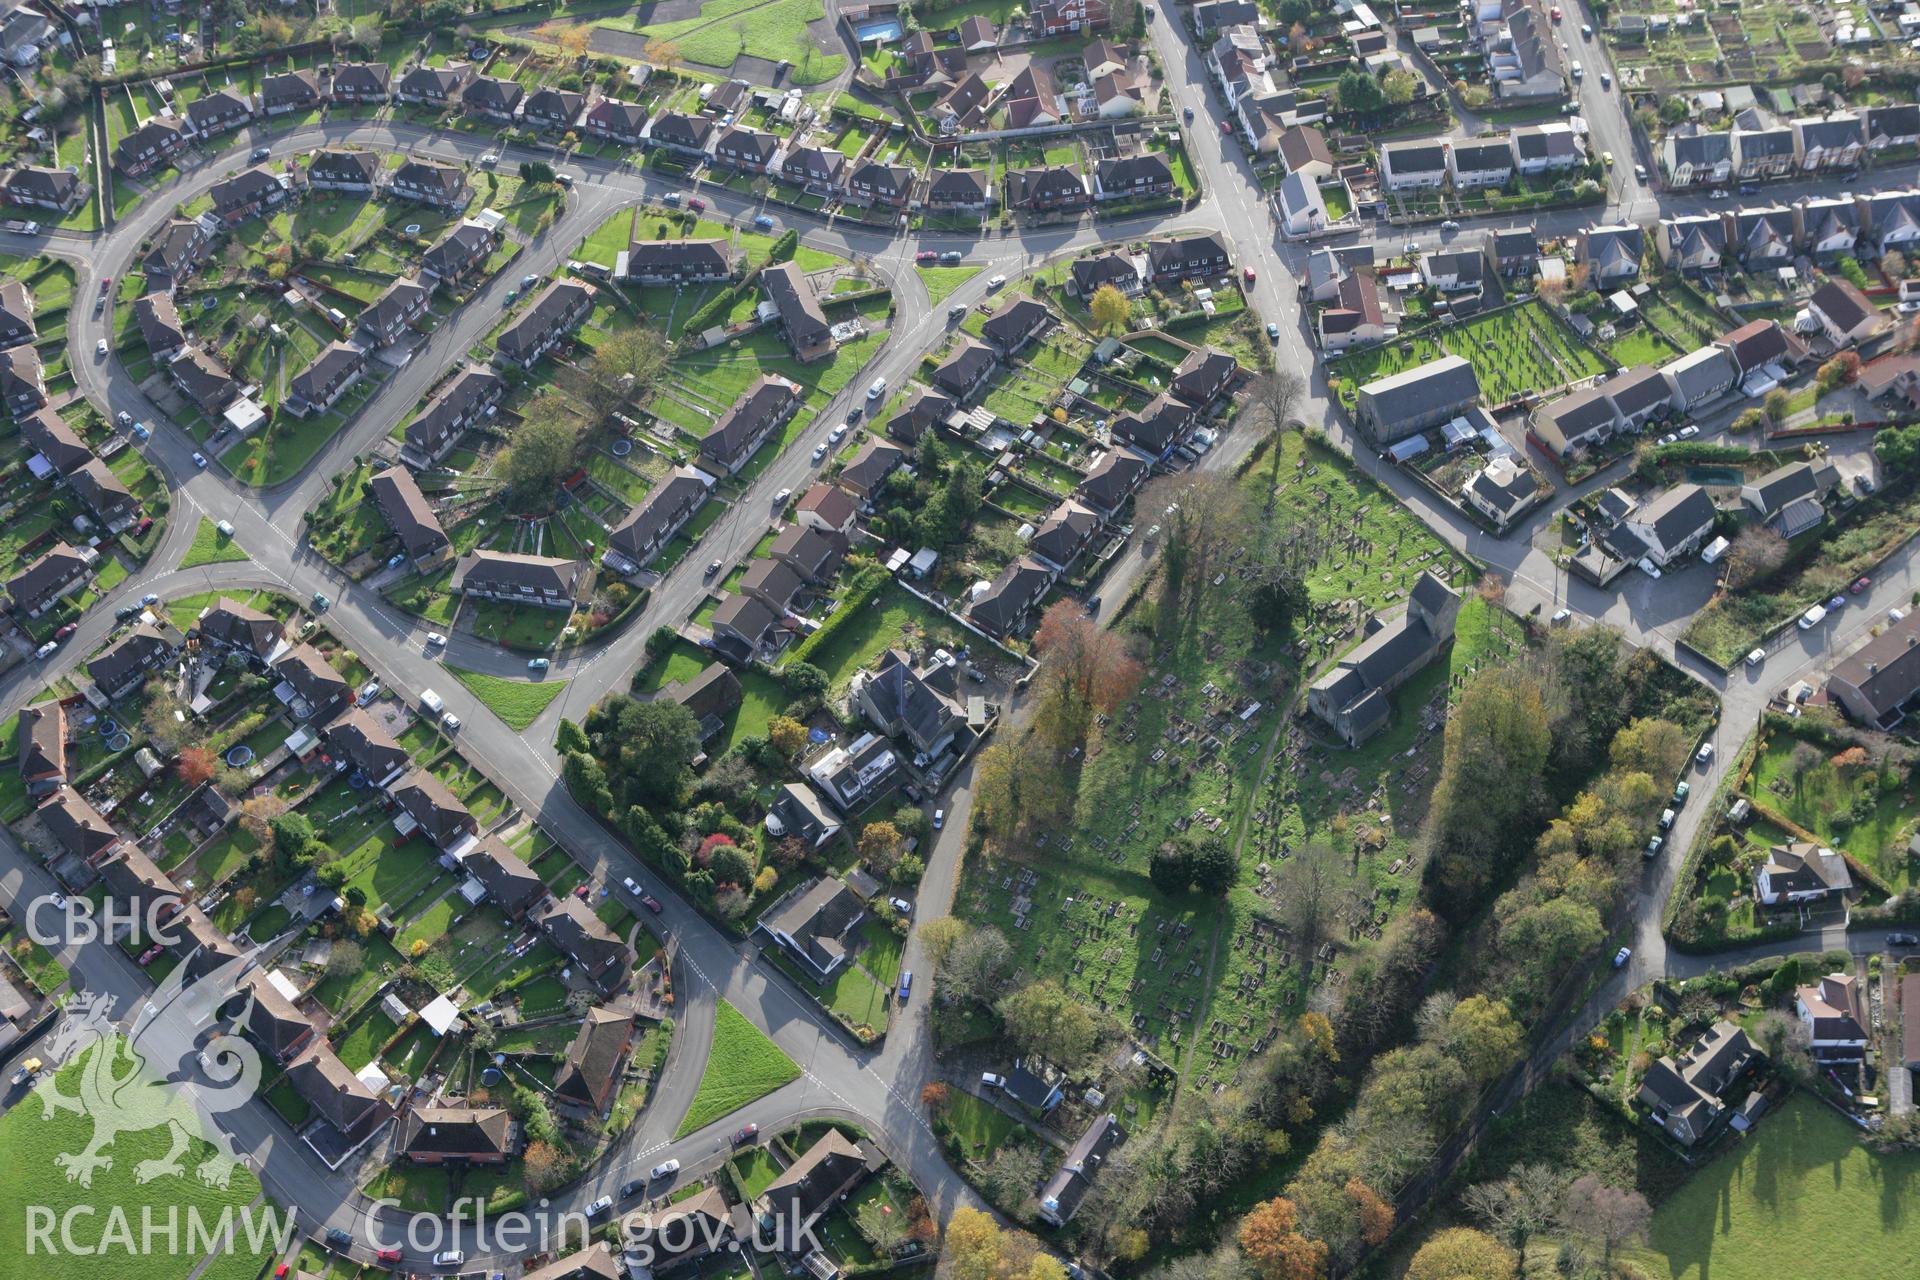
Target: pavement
876,1087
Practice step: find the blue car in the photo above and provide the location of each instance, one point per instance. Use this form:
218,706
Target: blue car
906,984
763,222
537,664
140,431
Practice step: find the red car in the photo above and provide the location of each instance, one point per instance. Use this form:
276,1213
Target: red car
140,530
697,205
1247,275
106,284
1226,127
746,1134
387,1255
583,892
151,954
650,902
926,255
1856,588
1555,11
72,627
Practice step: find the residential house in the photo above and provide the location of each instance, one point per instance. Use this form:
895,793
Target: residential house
1003,607
1480,162
905,704
1611,254
360,82
1876,682
1058,17
433,86
677,262
1758,344
425,182
1303,150
1453,271
1692,242
1202,375
727,98
459,254
466,399
1356,316
1016,322
963,107
1832,143
16,314
178,250
1133,177
798,310
814,554
923,409
817,169
1763,237
1835,1016
1192,257
77,827
105,497
681,133
395,310
1326,268
1066,532
1353,698
123,669
827,508
1111,481
290,91
773,583
870,467
1393,408
42,748
596,1261
559,309
1895,124
1513,251
1501,490
1064,1192
1692,156
1846,315
1217,15
150,147
966,369
336,1096
959,189
1893,218
35,187
270,1019
751,150
1800,873
853,774
1684,1094
1780,489
659,517
1763,152
411,516
612,120
755,418
313,680
814,1183
1047,189
216,113
555,110
743,628
1523,56
1674,524
812,924
1545,148
248,193
547,581
47,434
709,697
319,386
1412,164
877,183
160,326
23,383
580,935
435,1136
230,626
1156,428
513,885
361,741
798,810
357,171
1238,60
590,1072
1303,210
1119,94
1829,226
427,806
687,1230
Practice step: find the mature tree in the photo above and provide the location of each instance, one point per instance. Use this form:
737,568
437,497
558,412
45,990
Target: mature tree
625,362
1840,370
1461,1253
1543,942
1607,1215
939,936
1484,1035
1490,784
543,449
1398,86
1756,553
1788,1044
1309,886
1110,309
1776,405
165,720
1272,402
972,1245
879,1223
195,766
1376,1215
1170,869
292,834
572,37
649,749
1521,1205
1085,670
1359,92
1655,747
1015,780
1045,1267
977,965
1042,1019
881,845
1215,868
787,735
1271,1240
663,53
346,959
1202,516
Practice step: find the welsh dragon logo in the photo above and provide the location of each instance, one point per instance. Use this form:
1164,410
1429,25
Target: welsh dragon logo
122,1092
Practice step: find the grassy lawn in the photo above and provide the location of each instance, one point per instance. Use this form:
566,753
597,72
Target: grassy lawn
1823,800
1799,1197
515,626
719,34
981,1126
36,1179
210,546
363,1039
742,1065
1640,345
851,994
682,662
38,963
942,281
757,1171
1522,348
517,702
882,625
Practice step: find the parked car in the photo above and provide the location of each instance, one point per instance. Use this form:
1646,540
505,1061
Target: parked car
763,222
650,902
599,1206
820,450
1756,657
697,204
780,498
939,819
100,348
151,954
1640,173
628,1190
1450,225
906,984
339,1240
387,1255
926,255
1749,188
46,649
1666,819
1902,940
1188,113
140,431
713,567
949,257
1226,128
1705,754
259,154
450,722
150,598
1247,274
956,311
321,603
489,160
1606,79
666,1170
435,640
1669,438
1654,845
200,460
126,613
397,559
1273,331
1860,584
1838,602
66,631
224,528
449,1258
1621,957
993,1081
745,1133
878,389
538,664
995,283
1680,790
901,905
1560,616
838,434
1688,432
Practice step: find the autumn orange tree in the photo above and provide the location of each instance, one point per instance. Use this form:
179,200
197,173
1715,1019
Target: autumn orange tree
1376,1215
1271,1240
195,766
1085,669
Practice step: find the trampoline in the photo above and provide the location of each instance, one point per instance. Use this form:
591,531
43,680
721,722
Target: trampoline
120,741
240,755
621,447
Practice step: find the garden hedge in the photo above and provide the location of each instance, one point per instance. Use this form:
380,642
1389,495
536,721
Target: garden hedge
865,586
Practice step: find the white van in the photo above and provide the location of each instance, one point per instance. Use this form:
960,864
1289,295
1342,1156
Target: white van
431,703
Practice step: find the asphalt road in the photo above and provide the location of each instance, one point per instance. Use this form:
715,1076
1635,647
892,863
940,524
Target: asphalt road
879,1088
